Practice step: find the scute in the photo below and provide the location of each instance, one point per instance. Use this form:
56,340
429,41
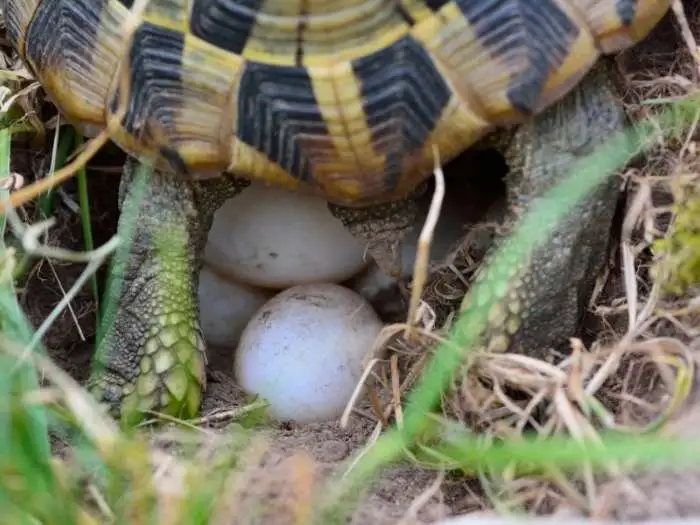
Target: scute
404,97
155,82
298,32
531,39
17,21
344,97
279,116
226,25
69,46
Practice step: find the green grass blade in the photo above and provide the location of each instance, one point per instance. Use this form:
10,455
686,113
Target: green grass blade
537,224
65,146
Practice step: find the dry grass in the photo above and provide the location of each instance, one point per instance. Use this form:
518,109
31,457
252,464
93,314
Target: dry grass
633,380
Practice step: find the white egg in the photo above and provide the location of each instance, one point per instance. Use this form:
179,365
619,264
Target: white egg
225,307
303,351
277,238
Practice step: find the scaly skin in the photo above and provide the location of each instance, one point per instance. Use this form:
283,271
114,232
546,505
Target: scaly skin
154,350
546,295
152,356
152,353
381,228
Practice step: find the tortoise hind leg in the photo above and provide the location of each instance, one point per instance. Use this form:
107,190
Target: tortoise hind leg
151,356
546,294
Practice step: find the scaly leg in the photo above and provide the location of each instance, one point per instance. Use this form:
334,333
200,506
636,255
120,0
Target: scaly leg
152,354
544,297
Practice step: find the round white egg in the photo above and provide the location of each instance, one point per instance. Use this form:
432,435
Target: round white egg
225,307
277,238
303,351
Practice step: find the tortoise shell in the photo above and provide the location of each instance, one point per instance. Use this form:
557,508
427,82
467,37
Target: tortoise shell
346,97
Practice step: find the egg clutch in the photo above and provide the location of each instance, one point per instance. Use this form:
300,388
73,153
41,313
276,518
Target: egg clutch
289,288
268,288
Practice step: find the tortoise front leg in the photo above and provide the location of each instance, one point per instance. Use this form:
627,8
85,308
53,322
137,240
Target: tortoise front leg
544,297
152,354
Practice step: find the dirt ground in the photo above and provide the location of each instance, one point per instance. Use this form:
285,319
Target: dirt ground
329,444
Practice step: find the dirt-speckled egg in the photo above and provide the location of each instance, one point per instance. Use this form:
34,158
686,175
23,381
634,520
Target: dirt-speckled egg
225,307
303,351
276,238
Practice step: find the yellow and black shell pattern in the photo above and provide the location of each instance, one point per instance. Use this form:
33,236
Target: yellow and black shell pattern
346,97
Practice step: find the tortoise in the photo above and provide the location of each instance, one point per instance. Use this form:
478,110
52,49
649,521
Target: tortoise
347,99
